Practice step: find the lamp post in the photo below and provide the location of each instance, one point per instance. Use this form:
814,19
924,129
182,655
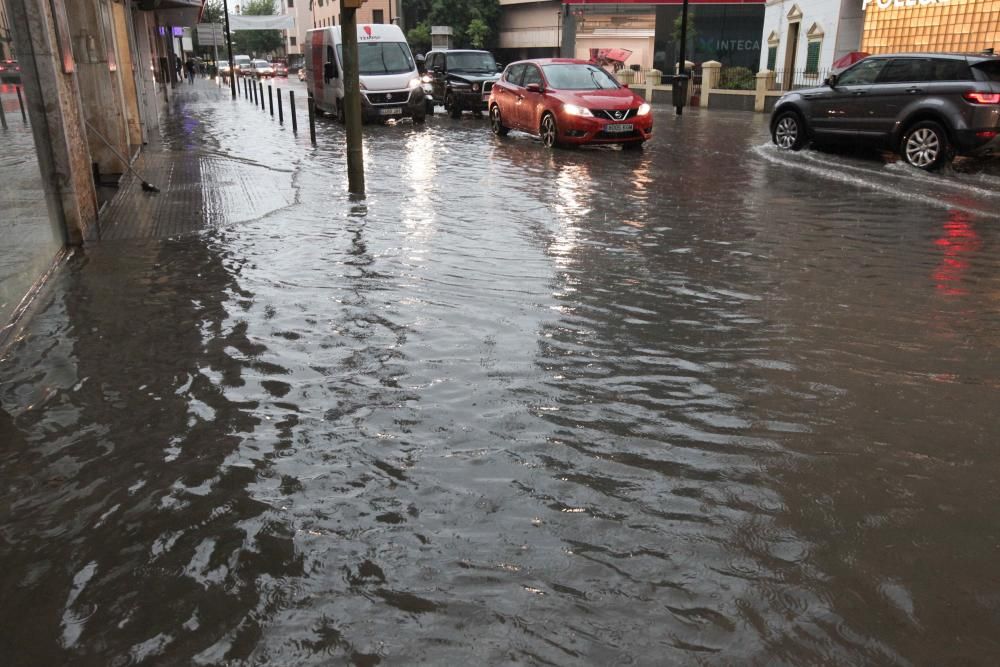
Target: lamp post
681,81
229,46
352,98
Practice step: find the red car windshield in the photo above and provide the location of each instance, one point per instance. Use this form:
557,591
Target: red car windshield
578,77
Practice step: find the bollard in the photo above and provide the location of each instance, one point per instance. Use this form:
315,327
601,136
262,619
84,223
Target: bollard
20,103
270,100
261,84
253,87
312,119
3,118
291,110
281,115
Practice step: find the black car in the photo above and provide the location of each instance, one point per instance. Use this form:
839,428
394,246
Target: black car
460,79
926,106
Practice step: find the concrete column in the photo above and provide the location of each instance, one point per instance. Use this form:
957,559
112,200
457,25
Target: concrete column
710,73
763,77
56,115
567,48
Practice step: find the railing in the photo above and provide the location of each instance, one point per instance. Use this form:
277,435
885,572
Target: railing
800,78
737,78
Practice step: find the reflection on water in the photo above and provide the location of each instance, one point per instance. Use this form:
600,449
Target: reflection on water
518,406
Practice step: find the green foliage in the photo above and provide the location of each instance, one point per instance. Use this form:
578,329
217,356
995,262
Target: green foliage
419,37
470,20
737,78
257,43
213,12
477,33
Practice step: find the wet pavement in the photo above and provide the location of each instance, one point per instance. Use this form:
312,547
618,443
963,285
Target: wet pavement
701,404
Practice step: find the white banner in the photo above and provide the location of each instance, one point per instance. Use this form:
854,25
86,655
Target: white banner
242,22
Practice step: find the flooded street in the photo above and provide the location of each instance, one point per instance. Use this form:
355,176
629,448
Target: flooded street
704,403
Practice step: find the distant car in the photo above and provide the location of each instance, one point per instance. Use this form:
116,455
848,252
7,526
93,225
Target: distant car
279,69
242,64
926,106
261,69
223,69
459,79
568,102
10,71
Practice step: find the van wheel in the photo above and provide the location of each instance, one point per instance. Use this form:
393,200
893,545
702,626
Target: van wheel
788,132
926,145
496,123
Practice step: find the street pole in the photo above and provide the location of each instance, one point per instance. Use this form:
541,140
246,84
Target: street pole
352,99
229,45
681,99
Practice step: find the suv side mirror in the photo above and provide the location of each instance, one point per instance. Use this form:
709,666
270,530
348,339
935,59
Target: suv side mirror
438,70
831,80
534,88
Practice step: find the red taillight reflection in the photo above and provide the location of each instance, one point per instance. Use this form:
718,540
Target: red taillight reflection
959,240
983,98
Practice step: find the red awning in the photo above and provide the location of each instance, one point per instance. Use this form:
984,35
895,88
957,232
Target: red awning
844,62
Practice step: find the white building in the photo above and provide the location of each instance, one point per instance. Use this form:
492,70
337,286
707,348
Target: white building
803,38
529,29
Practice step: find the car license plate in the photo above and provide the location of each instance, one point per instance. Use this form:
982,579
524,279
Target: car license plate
391,111
623,127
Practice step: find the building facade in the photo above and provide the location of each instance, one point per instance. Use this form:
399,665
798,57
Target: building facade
647,35
805,40
529,29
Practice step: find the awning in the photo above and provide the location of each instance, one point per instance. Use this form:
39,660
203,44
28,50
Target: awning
244,22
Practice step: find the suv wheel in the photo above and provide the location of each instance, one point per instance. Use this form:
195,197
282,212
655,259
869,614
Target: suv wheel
925,145
788,132
453,107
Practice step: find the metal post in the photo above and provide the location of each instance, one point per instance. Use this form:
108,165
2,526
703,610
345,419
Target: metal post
20,103
682,80
229,45
270,100
281,115
253,89
352,102
3,118
261,84
312,120
291,110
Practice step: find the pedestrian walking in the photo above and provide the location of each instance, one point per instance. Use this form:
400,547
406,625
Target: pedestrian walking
190,67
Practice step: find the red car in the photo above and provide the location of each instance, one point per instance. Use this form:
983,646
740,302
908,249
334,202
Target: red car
568,102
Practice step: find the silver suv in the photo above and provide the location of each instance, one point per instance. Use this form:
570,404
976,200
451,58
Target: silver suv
926,106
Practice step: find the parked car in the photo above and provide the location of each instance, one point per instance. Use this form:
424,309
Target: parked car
10,71
926,106
223,69
261,69
459,79
568,102
279,69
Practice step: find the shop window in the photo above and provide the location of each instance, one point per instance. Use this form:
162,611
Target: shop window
812,57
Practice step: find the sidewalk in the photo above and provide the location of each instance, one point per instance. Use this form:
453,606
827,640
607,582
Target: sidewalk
197,163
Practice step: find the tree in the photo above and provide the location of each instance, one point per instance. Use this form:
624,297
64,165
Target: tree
213,12
477,33
419,37
258,42
691,34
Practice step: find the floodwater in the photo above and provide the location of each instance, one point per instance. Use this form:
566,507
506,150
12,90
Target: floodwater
701,404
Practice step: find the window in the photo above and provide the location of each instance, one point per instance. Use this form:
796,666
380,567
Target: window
291,3
812,57
291,40
531,75
471,61
772,57
382,58
378,16
951,69
864,73
514,74
991,69
579,77
906,70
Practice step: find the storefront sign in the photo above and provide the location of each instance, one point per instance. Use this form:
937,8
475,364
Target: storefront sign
897,4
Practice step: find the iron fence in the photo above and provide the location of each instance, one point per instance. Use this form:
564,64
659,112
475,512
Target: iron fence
737,78
799,78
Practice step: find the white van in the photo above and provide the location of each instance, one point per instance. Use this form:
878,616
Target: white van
390,84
